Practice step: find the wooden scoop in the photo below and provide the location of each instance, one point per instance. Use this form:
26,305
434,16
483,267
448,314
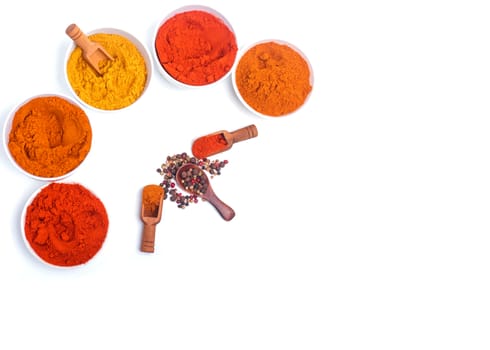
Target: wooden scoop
193,179
93,52
151,214
226,140
241,134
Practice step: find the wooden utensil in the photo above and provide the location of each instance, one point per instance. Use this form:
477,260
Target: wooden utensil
93,52
241,134
192,179
199,149
151,214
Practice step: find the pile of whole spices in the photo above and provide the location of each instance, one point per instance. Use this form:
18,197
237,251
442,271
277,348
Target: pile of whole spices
194,180
169,169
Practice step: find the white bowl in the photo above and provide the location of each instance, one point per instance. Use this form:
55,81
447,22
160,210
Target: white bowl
141,49
6,138
28,244
252,109
179,11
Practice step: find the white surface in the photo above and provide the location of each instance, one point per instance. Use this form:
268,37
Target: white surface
362,222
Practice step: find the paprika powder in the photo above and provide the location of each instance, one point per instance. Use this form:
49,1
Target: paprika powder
208,145
65,224
273,78
196,47
221,141
49,136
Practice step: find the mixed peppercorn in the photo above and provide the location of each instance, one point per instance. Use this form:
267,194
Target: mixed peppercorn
193,179
169,170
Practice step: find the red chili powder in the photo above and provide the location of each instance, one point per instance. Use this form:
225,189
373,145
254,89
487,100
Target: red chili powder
196,47
66,224
209,145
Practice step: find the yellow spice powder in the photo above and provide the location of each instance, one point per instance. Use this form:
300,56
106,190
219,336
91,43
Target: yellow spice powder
122,81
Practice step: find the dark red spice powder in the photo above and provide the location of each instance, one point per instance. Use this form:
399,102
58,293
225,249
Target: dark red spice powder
66,224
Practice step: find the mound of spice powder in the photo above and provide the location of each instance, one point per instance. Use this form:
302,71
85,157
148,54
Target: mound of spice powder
65,224
151,199
50,136
207,145
273,78
169,169
123,80
196,47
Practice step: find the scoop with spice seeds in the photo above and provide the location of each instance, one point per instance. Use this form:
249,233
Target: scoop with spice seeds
191,178
170,167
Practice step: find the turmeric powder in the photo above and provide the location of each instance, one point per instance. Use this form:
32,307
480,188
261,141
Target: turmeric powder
123,80
273,78
49,136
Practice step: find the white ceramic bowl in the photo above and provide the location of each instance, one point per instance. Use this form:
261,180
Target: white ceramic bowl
28,245
179,11
6,138
142,50
250,108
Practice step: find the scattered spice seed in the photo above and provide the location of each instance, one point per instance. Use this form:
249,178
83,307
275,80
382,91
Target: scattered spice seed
169,169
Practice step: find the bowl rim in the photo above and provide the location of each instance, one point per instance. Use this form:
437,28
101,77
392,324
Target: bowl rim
31,250
182,9
244,49
7,126
143,50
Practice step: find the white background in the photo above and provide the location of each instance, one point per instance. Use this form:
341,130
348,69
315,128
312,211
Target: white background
362,220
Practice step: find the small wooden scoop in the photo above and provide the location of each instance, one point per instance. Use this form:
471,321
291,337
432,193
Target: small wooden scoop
225,139
93,52
151,214
241,134
191,178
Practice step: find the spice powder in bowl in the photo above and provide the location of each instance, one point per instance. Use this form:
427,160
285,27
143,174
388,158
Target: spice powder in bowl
124,79
64,224
47,137
195,46
272,78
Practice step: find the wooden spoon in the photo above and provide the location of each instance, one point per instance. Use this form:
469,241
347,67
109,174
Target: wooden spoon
199,149
93,52
193,179
151,214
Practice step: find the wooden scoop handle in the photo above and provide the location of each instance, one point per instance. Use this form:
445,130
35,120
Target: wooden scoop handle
148,239
93,52
75,33
245,133
224,209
